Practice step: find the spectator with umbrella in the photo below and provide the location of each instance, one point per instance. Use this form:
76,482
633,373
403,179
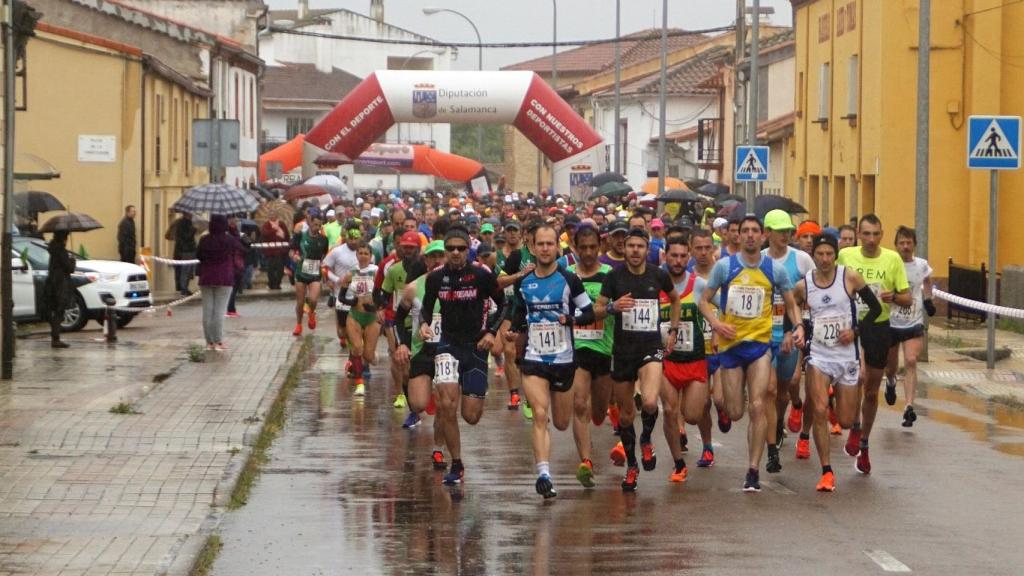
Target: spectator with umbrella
57,288
218,254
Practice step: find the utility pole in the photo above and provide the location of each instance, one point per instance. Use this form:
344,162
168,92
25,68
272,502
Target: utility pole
554,70
618,79
752,90
924,57
662,161
7,338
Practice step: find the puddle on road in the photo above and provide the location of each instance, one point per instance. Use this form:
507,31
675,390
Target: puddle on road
1000,426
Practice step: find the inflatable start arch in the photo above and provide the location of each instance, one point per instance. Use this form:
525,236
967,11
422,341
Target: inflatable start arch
522,99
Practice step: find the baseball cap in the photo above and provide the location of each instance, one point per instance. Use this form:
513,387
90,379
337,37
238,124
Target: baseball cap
487,228
484,249
808,227
410,238
435,246
330,213
375,213
831,231
778,220
354,233
719,223
638,233
657,223
685,222
513,225
618,226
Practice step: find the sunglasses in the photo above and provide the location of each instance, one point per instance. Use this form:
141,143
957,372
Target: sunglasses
461,248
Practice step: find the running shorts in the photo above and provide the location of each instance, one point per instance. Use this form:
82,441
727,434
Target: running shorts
785,365
843,373
680,374
364,319
559,376
421,365
594,362
874,341
472,367
743,354
713,364
627,368
901,335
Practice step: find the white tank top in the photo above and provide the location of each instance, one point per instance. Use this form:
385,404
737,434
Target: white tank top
832,310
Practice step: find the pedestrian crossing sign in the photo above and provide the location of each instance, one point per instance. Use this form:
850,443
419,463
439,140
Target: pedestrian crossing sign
751,163
993,142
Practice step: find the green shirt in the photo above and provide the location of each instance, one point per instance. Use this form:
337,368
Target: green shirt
598,336
333,232
883,273
394,282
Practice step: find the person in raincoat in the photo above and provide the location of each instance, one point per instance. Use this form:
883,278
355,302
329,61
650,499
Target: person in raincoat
57,288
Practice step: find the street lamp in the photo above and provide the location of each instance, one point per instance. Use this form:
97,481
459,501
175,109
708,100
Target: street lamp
429,11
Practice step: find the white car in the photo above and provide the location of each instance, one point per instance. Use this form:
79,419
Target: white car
127,283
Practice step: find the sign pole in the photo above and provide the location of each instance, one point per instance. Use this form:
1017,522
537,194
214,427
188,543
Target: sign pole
993,223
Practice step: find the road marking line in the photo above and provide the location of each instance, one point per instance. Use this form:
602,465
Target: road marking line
887,561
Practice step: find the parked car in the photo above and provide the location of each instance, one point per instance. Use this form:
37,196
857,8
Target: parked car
127,283
27,289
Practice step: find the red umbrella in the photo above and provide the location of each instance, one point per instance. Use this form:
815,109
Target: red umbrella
332,159
303,191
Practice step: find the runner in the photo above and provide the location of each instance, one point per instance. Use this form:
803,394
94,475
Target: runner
615,255
704,261
341,260
883,270
362,327
632,294
835,358
847,236
908,324
784,381
731,244
744,331
546,302
461,361
408,265
592,385
805,234
517,264
308,249
684,384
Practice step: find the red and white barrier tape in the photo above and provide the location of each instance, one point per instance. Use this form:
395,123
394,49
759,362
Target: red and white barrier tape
975,305
151,309
173,262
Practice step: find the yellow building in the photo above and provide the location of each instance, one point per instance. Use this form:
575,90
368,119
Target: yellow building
856,75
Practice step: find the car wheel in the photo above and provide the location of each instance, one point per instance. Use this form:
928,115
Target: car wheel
124,319
74,315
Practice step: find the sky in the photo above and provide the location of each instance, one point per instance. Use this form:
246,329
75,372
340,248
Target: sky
531,20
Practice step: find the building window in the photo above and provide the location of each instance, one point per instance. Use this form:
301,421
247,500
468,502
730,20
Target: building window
824,86
854,95
763,95
174,130
188,137
800,89
296,126
234,112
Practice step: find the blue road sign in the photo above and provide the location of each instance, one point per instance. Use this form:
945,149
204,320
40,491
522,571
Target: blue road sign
993,142
751,163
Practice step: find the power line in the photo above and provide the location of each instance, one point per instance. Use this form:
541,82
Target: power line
999,7
636,38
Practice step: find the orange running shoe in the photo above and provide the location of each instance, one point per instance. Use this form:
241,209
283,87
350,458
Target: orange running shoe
837,430
298,330
853,442
649,460
437,458
513,401
311,321
618,455
613,415
629,483
827,482
796,419
678,475
803,449
432,406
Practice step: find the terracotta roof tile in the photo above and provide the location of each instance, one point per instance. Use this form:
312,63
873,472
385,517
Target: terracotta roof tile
304,82
597,57
691,76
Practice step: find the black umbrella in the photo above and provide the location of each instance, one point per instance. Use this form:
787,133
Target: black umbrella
613,190
70,222
726,199
713,189
678,196
606,177
36,201
695,183
762,205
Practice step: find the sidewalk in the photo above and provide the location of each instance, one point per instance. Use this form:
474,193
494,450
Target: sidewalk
948,368
87,491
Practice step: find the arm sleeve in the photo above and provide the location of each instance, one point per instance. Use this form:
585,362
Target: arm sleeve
517,309
498,295
513,263
874,306
581,301
401,331
429,298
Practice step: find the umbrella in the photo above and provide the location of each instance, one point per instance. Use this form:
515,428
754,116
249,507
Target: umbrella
278,208
332,159
651,185
713,189
303,191
728,199
70,222
613,190
678,196
265,193
199,222
36,201
245,224
216,199
276,186
762,205
606,177
695,183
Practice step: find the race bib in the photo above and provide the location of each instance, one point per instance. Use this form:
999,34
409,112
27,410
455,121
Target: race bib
548,338
862,308
778,310
684,338
446,369
590,331
362,285
708,331
311,267
906,314
745,301
827,329
643,317
435,329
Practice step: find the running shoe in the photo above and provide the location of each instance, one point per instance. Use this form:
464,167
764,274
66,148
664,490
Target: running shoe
780,437
400,401
298,330
455,475
863,464
796,419
499,371
545,487
311,321
527,411
827,482
677,475
774,466
853,443
232,315
649,459
629,483
513,400
752,482
432,406
707,459
837,430
803,449
411,421
890,390
437,459
909,416
360,388
683,440
613,417
724,424
618,455
585,473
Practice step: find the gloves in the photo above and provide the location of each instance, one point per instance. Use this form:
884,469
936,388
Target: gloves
331,301
929,307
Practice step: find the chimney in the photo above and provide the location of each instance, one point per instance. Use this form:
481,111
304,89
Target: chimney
303,12
377,10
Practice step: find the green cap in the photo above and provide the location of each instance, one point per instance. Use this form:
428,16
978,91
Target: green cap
487,228
435,246
778,220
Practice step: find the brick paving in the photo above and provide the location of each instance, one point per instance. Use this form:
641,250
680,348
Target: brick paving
86,491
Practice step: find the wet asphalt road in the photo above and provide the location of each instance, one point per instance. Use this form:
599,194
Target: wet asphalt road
347,490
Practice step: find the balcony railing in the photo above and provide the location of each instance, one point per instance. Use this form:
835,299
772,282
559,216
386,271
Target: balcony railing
709,142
